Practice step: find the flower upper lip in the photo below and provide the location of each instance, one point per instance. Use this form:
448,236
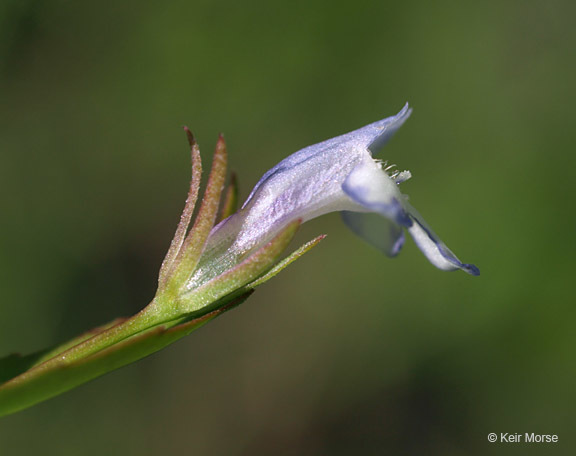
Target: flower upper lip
371,138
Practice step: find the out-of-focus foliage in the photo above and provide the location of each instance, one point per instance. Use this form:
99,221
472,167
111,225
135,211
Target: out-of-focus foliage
347,352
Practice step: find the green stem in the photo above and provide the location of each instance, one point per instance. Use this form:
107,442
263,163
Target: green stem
142,321
111,349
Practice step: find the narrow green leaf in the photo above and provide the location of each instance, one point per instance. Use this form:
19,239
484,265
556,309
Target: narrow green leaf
79,339
15,364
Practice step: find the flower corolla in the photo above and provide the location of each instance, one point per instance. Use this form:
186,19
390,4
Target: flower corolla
339,174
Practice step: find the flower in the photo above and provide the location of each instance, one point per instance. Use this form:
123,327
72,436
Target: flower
210,269
339,174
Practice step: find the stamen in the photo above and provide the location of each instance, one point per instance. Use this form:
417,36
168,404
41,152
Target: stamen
396,175
401,176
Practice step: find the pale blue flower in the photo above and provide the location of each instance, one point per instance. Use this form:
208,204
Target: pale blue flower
339,174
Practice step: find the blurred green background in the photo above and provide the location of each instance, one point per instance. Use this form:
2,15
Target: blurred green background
346,352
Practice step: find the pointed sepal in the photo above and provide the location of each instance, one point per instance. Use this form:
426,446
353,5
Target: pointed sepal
180,235
230,201
195,241
243,273
285,262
